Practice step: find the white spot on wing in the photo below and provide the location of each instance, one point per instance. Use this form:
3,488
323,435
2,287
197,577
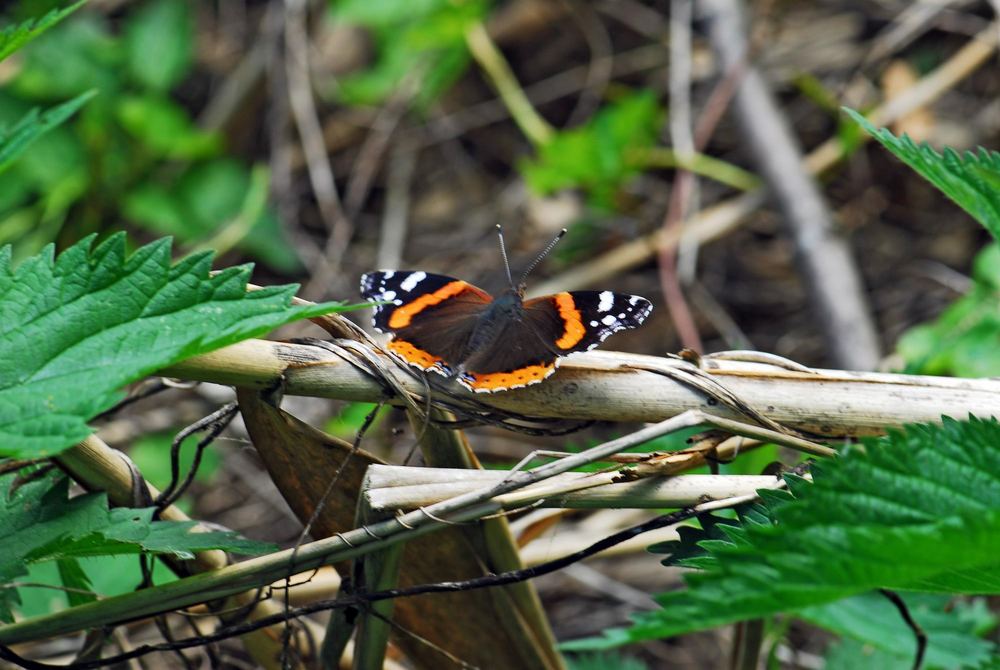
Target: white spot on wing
609,320
607,301
411,282
388,274
388,295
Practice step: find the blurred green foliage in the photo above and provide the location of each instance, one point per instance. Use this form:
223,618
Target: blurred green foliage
133,153
350,420
965,339
418,43
601,155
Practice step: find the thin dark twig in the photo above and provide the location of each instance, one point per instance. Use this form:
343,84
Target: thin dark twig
147,391
918,632
19,464
359,600
214,424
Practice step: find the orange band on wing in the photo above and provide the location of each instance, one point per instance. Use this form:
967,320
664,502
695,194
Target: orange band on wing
413,355
501,381
402,316
573,322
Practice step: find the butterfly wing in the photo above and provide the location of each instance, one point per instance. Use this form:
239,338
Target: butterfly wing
550,327
431,317
517,356
581,320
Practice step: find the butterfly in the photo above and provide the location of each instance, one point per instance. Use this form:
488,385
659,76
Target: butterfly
448,326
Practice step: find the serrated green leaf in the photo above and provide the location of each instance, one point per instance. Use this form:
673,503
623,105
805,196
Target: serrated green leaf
39,522
992,663
159,43
14,37
15,140
74,330
972,180
916,510
872,621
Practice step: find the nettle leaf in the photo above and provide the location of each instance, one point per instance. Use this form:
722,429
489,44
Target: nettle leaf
16,139
868,624
75,329
599,156
16,36
917,510
972,180
40,522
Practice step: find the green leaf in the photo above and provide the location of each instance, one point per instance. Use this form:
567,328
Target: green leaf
40,522
972,180
598,156
159,43
871,622
207,196
109,575
75,57
15,140
74,330
14,37
962,340
75,580
213,191
159,210
916,510
423,40
604,660
165,128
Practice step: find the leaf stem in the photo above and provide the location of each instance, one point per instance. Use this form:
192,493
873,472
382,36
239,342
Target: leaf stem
489,57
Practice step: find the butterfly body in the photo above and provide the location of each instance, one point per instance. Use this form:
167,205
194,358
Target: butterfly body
450,327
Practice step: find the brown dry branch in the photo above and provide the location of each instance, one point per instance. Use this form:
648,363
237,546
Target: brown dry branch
611,386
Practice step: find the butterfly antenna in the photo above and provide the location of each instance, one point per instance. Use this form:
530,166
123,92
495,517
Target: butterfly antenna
545,252
503,252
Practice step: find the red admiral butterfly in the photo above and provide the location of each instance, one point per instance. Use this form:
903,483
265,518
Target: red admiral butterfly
448,326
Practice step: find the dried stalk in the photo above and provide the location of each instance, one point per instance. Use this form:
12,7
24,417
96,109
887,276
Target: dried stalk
611,386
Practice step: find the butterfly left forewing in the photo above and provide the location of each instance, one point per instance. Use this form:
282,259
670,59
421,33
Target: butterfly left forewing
430,316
